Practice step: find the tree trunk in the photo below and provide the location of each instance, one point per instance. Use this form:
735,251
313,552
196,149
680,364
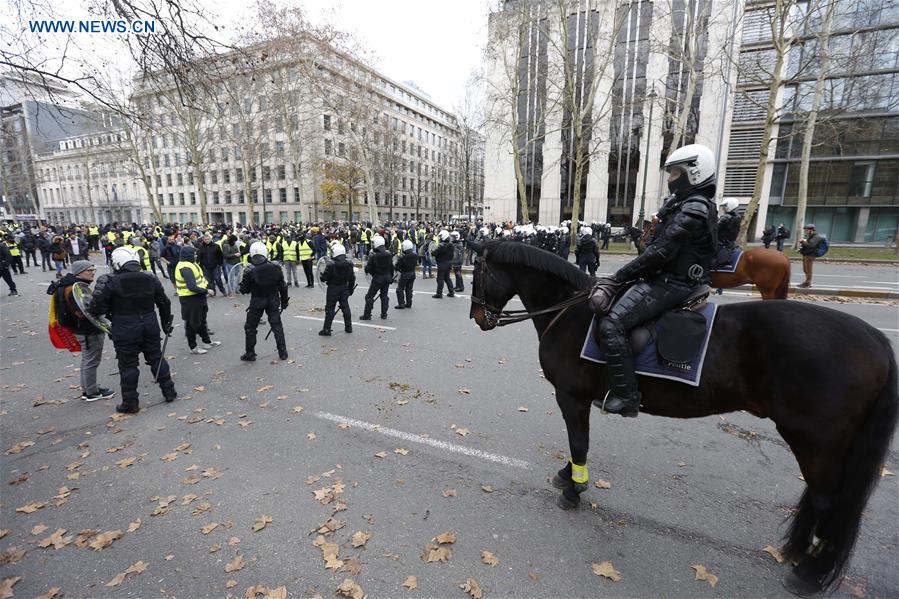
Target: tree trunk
248,196
809,133
522,190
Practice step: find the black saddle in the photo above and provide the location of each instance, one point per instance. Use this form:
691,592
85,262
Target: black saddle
678,333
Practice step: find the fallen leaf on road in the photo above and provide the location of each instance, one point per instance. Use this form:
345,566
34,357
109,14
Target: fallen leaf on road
411,582
462,432
169,457
472,587
265,388
703,574
464,391
401,450
209,528
350,589
329,553
446,538
775,553
486,488
607,570
212,473
36,530
18,447
261,522
199,389
233,541
134,525
30,508
534,576
522,409
230,584
12,555
202,507
56,539
449,492
360,538
105,539
298,409
352,566
74,466
488,558
183,447
381,454
331,525
7,585
191,480
136,568
235,564
310,435
433,553
885,472
343,426
214,549
602,484
125,462
50,594
187,499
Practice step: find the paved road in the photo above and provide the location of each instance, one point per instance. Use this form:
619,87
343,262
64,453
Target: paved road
710,491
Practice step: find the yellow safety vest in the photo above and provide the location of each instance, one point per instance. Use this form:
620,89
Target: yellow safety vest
126,235
144,254
305,251
181,285
290,251
13,249
110,236
93,231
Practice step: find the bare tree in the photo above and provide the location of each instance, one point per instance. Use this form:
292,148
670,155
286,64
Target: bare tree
389,160
470,118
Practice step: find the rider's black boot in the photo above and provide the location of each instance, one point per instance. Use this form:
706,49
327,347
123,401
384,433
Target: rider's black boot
627,406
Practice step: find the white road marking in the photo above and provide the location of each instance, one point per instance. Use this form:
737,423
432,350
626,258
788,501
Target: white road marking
356,324
889,330
413,438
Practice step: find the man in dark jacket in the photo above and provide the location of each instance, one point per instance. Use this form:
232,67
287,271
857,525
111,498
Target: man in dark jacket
89,336
783,233
380,266
29,248
808,247
171,253
5,262
587,252
129,296
43,244
458,256
190,284
341,281
211,258
405,264
264,280
443,255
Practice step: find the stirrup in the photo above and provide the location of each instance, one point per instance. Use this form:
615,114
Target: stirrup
629,407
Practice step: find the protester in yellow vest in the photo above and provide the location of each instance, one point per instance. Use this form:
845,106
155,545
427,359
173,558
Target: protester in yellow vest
190,284
136,241
289,253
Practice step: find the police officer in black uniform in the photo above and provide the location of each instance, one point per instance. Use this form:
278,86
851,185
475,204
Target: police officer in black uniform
676,260
128,296
405,264
341,282
728,230
380,267
264,280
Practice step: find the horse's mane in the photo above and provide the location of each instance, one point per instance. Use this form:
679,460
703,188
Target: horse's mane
521,254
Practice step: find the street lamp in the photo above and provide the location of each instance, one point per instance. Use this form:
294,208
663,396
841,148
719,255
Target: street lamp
651,97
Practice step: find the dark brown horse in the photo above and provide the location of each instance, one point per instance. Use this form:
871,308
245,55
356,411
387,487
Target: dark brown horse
768,270
837,410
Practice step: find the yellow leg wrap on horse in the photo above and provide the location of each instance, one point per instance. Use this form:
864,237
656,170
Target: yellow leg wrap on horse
578,473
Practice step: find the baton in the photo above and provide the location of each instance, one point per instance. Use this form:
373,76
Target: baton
272,328
165,342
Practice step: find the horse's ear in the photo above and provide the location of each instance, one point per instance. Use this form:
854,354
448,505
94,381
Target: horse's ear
476,246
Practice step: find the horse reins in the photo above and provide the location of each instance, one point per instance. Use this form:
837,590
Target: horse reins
497,317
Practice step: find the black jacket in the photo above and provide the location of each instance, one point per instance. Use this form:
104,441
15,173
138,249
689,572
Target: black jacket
406,263
586,252
130,292
210,256
264,280
443,254
380,265
67,311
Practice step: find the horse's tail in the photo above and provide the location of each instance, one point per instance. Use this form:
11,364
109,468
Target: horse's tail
783,287
862,467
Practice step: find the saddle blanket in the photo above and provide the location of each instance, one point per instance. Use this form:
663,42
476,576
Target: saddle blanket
731,264
648,362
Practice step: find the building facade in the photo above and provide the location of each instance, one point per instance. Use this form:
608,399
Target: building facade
692,71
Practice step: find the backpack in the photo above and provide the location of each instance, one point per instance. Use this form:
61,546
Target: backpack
822,247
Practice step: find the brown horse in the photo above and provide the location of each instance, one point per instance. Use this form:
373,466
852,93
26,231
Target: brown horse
768,270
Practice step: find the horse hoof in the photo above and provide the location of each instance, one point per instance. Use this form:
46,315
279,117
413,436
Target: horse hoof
800,586
561,483
568,502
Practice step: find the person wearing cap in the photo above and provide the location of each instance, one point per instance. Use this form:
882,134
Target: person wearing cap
89,336
443,255
380,266
190,284
405,264
341,281
808,247
130,297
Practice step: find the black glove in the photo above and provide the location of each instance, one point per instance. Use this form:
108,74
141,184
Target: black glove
167,326
284,303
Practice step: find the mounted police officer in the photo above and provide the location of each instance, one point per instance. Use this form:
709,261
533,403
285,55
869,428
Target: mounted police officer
264,280
728,229
129,296
676,260
405,264
380,267
341,282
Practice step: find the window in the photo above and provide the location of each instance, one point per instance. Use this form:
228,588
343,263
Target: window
235,129
860,179
215,197
168,179
296,194
267,173
226,175
165,160
328,147
180,199
240,197
214,175
341,149
227,197
279,148
263,103
193,199
190,178
238,175
327,122
171,199
267,196
158,180
282,194
282,172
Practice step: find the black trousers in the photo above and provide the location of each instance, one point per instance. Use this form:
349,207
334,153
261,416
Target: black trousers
377,287
460,286
404,290
337,295
30,257
193,312
307,270
133,335
17,265
640,303
443,277
5,274
271,307
46,261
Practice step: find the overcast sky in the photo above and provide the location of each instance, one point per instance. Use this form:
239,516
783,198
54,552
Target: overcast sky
436,43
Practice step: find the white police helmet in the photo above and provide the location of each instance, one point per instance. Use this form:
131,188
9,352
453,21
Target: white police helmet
122,256
444,235
408,245
258,249
507,233
377,241
730,204
455,235
338,250
586,231
564,230
696,161
485,231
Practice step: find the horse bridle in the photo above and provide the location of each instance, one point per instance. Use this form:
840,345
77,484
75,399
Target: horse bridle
497,317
